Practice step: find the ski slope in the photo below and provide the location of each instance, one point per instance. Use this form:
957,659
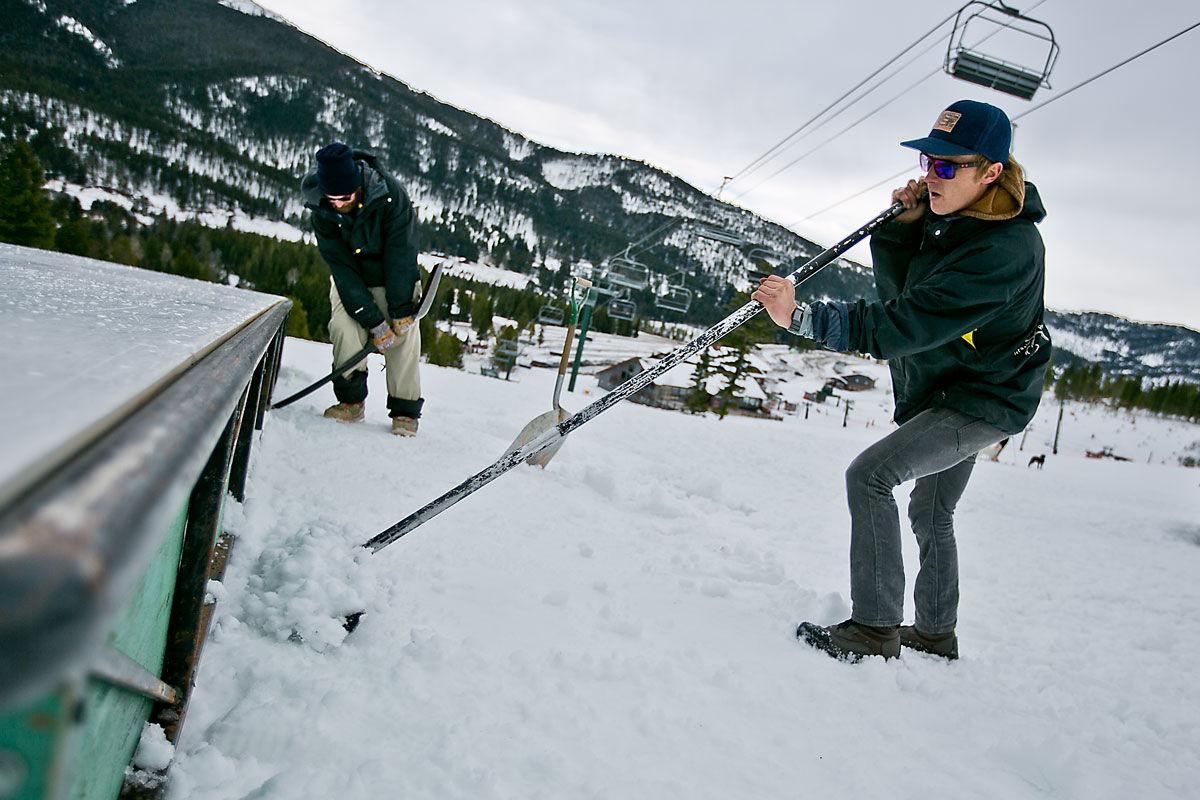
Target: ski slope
621,624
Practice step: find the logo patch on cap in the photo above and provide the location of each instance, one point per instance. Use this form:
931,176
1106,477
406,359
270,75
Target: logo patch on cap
947,121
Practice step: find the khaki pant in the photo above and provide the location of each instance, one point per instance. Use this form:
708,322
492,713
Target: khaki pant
402,359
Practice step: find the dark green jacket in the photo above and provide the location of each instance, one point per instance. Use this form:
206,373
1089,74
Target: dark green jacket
954,277
375,245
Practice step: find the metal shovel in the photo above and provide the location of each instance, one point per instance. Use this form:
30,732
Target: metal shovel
544,422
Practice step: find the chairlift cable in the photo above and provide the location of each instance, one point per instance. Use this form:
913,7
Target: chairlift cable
753,165
1066,92
839,134
1024,113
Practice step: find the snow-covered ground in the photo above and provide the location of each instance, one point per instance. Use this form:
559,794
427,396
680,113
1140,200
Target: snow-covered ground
621,624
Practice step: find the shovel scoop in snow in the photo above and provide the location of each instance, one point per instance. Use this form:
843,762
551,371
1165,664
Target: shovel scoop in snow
542,423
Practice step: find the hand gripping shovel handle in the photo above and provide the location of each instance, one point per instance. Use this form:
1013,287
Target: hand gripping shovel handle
426,304
626,389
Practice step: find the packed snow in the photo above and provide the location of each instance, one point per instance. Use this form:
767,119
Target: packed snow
622,624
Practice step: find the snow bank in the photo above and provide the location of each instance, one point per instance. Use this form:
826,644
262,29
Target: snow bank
621,624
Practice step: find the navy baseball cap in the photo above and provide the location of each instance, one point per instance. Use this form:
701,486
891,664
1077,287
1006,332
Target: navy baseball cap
966,128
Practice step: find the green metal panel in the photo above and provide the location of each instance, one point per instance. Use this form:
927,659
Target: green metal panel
32,737
115,716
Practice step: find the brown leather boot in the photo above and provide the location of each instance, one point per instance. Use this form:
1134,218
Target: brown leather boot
404,426
347,412
938,644
850,641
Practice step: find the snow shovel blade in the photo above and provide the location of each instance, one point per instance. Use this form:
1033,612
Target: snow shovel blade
535,428
544,422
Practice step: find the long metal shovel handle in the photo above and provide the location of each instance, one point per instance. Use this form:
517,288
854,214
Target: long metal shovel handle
426,304
626,389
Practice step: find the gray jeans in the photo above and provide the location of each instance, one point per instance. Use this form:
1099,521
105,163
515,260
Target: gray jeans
937,448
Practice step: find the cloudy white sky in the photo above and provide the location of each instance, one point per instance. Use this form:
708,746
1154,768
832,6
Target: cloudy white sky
701,88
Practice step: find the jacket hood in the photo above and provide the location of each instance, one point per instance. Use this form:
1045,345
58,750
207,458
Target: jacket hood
1004,199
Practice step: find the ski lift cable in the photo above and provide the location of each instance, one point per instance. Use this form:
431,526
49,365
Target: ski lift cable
1024,113
1066,92
837,135
863,95
876,110
768,154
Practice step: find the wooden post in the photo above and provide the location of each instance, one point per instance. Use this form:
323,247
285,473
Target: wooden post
1061,404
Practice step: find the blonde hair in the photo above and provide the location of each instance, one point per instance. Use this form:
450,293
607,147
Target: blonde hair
985,165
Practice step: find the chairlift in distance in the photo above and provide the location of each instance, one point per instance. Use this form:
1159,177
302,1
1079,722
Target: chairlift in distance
678,297
772,257
706,231
507,348
622,308
973,66
551,314
624,271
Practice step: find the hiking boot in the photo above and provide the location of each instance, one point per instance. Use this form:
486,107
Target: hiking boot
938,644
404,426
346,412
850,641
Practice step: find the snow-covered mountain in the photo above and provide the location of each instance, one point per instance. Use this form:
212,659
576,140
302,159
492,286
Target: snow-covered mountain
219,106
1123,346
213,109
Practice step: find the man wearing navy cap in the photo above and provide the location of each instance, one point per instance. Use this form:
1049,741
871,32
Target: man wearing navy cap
365,229
960,277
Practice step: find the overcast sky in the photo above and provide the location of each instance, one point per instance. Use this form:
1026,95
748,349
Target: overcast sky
702,88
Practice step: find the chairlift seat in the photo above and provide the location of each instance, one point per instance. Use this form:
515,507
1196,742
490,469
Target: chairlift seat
995,74
677,298
551,315
628,273
983,70
718,234
622,309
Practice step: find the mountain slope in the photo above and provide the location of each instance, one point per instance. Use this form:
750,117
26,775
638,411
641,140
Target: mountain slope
220,109
209,106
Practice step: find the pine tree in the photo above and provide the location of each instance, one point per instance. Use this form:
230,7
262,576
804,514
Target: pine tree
297,324
698,399
481,314
24,205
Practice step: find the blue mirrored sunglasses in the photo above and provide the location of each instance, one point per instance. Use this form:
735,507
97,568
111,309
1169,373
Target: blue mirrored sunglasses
944,169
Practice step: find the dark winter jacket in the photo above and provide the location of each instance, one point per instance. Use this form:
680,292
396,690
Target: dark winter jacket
960,311
374,245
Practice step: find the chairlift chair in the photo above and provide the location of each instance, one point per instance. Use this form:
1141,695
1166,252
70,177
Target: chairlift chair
507,348
620,307
969,64
624,271
551,314
717,234
772,257
678,297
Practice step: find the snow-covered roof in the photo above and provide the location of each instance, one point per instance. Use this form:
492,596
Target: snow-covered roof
87,341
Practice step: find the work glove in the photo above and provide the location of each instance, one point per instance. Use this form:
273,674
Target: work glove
403,325
382,336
